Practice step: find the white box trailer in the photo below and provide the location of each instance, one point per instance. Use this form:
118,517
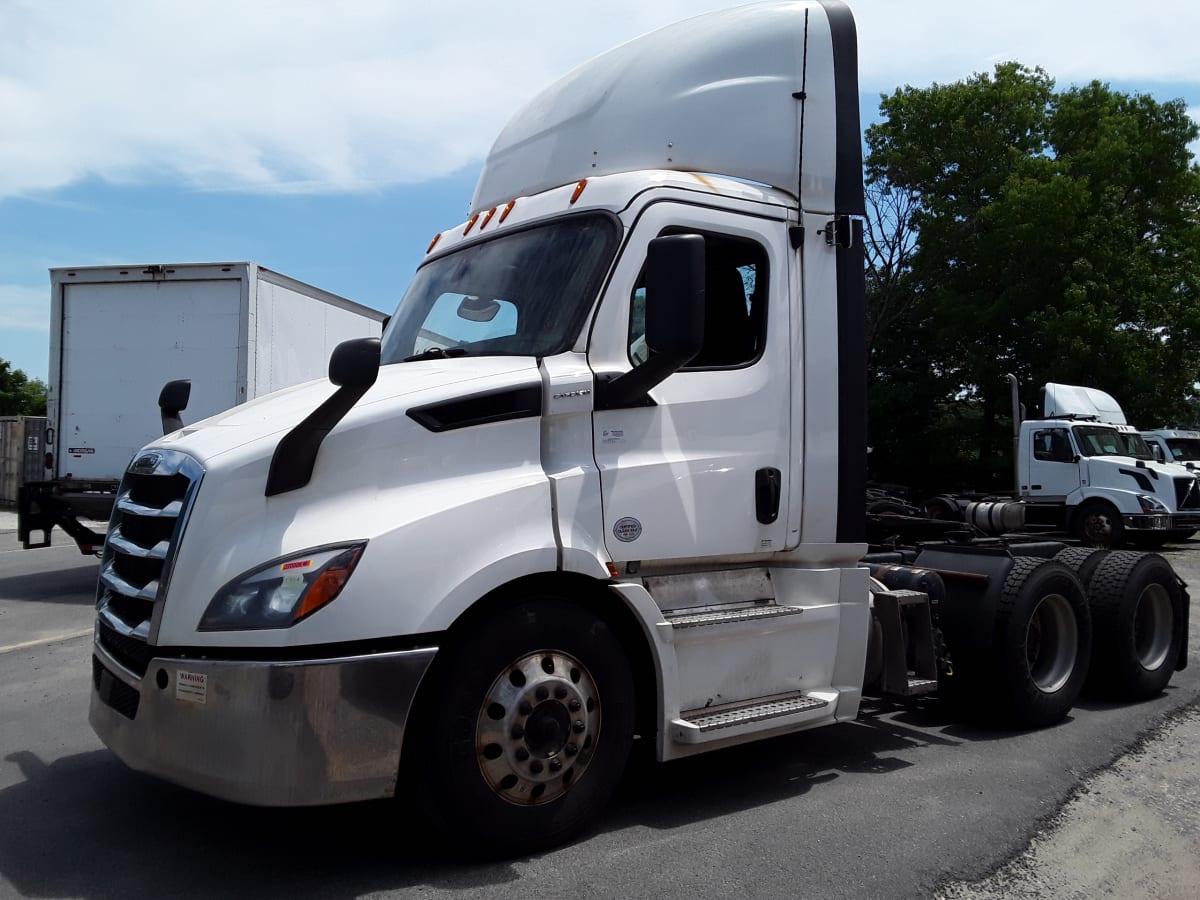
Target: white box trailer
118,333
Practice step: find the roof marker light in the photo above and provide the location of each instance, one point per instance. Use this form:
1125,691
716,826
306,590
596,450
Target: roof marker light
578,190
437,237
470,224
507,210
487,218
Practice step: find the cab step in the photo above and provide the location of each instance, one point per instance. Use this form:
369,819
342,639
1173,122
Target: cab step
713,723
729,616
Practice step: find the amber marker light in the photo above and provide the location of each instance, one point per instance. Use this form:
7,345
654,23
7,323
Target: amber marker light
437,237
578,190
470,224
507,210
487,218
328,584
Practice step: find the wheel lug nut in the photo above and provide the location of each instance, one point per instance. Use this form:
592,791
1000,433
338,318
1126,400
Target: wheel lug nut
524,708
571,749
543,692
522,754
560,693
555,765
536,767
518,732
578,727
575,705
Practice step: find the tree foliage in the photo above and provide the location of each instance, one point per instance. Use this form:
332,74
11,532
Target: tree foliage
20,395
1018,228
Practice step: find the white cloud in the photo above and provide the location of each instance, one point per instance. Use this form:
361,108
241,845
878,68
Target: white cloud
24,308
307,96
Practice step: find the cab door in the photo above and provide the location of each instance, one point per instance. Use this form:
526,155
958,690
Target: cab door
1053,466
703,469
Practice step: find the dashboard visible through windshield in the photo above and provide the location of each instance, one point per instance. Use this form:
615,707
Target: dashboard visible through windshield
523,293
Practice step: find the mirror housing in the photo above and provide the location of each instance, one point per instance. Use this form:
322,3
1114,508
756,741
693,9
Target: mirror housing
172,400
675,290
355,363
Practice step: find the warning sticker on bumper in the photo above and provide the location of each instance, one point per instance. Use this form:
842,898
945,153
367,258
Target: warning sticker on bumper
191,686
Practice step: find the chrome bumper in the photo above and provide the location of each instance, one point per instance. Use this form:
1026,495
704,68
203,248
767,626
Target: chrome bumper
1162,521
264,733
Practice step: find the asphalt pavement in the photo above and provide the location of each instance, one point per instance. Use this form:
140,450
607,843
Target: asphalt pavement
900,803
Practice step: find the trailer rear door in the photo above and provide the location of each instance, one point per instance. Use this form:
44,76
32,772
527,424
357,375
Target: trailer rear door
120,343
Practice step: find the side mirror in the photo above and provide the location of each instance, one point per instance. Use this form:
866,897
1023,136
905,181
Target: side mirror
172,400
674,319
355,363
675,296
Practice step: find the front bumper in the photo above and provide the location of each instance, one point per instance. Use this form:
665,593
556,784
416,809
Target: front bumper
1162,521
294,733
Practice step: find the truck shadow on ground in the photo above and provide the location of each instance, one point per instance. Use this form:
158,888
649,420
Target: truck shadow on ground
75,585
85,826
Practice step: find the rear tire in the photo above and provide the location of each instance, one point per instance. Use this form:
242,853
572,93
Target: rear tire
1082,561
524,730
1041,643
1137,607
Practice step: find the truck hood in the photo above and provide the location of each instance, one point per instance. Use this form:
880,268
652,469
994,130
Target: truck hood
400,386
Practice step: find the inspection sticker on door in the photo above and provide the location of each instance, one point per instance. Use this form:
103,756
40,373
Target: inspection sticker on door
191,686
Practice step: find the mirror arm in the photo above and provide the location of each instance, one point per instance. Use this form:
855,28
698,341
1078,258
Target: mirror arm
632,388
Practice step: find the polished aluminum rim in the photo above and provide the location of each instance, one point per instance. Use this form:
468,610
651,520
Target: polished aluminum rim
1052,643
537,728
1153,622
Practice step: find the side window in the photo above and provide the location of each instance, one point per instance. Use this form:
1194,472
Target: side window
735,273
1052,445
458,319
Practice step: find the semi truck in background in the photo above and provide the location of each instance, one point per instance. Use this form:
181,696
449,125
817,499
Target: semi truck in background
602,478
236,331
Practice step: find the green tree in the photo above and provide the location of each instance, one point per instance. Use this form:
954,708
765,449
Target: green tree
19,394
1053,234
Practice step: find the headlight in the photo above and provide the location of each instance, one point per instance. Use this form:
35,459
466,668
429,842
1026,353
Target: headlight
282,592
1152,504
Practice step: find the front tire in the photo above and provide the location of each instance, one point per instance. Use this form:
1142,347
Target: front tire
1098,524
524,731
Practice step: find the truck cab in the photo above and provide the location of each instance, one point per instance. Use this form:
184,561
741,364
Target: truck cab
1087,460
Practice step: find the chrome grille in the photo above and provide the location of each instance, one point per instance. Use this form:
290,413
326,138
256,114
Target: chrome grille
147,521
1187,493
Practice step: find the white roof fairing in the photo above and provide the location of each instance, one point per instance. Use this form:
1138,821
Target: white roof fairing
710,94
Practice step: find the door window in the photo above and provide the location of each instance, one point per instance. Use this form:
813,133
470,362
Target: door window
735,273
1052,445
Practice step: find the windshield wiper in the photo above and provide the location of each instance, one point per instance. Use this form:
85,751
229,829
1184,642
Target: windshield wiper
437,353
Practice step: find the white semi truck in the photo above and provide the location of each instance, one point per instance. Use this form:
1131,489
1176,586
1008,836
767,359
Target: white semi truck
603,478
234,330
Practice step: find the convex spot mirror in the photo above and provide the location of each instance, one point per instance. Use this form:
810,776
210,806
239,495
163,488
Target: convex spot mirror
355,363
474,309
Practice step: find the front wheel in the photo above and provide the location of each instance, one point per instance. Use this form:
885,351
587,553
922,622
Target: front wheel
525,728
1098,524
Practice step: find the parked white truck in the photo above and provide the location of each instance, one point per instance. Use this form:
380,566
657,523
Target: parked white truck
1082,468
235,330
1175,445
603,478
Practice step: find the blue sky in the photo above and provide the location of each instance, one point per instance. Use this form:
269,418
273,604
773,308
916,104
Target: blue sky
331,142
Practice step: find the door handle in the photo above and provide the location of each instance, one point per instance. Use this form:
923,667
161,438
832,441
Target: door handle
767,485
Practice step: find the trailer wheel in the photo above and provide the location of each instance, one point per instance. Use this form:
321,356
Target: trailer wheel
1098,524
1082,561
1137,607
1042,643
525,729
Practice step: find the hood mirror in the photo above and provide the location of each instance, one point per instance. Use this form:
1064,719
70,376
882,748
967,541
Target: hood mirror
172,400
355,363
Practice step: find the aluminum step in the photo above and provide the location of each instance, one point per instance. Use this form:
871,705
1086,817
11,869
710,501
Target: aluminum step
921,686
722,617
699,725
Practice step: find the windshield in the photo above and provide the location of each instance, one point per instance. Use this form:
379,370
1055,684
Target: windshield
1097,440
522,294
1136,446
1184,449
